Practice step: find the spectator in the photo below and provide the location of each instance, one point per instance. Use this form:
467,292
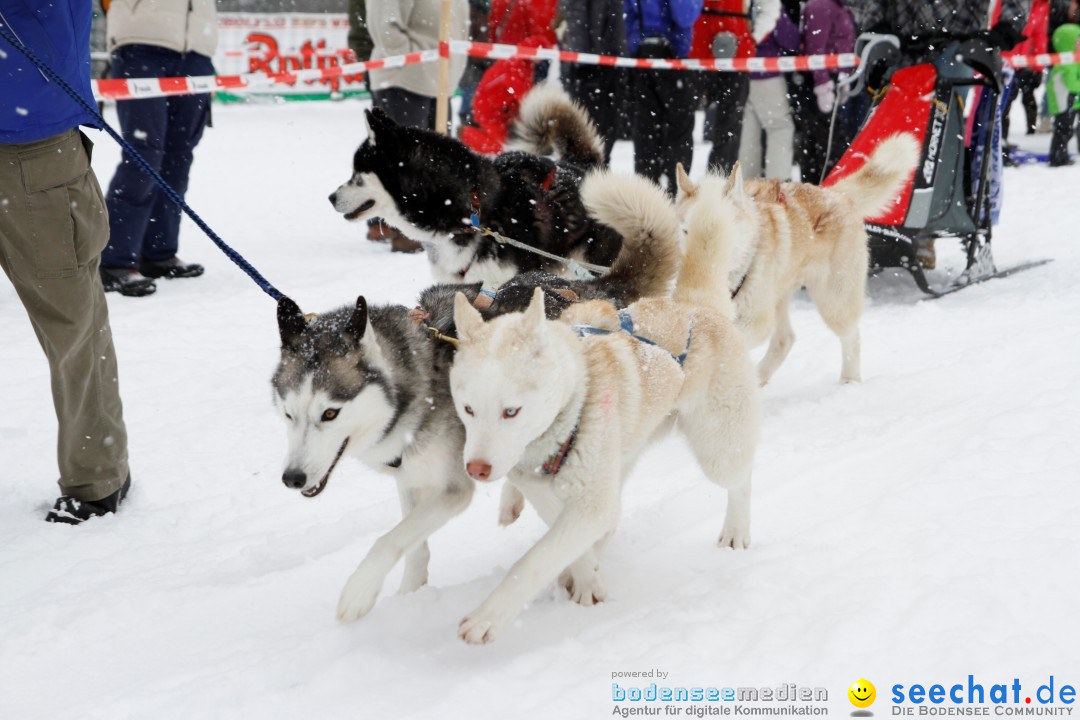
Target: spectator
408,94
52,229
1062,12
167,38
596,26
663,123
828,28
474,67
768,110
724,30
504,85
1027,80
359,38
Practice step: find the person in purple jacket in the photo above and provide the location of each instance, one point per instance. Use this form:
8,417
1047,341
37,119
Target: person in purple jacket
828,27
663,124
768,110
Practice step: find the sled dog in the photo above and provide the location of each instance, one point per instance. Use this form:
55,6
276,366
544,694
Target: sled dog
372,383
794,235
564,411
431,187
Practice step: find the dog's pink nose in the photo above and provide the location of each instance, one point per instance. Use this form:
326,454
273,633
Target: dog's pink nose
478,469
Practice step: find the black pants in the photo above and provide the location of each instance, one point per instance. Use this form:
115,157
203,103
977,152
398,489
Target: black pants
598,90
1025,83
663,123
1063,131
729,91
812,128
406,108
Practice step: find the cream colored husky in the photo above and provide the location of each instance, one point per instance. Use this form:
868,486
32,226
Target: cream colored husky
565,408
793,235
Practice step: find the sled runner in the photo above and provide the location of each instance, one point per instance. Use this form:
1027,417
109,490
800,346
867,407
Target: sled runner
927,100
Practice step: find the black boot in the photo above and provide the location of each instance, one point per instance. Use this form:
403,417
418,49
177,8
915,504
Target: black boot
174,267
127,281
69,511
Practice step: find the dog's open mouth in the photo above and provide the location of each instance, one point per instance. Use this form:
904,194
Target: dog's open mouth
367,205
325,478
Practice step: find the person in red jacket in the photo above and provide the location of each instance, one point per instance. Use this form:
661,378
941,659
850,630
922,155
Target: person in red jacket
499,93
725,29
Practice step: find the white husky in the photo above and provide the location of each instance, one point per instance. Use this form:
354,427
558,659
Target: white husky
565,412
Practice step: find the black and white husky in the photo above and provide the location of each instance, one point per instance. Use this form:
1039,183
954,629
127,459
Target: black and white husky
431,187
373,383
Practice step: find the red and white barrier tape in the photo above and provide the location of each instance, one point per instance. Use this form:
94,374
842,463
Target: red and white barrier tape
138,88
769,64
1044,60
120,89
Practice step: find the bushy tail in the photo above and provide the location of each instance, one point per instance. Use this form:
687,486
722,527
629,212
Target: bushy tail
875,185
642,214
710,239
549,121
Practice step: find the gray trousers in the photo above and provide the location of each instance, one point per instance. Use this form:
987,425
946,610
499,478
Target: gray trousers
768,109
53,226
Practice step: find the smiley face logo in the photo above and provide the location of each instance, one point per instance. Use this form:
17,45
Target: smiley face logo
862,693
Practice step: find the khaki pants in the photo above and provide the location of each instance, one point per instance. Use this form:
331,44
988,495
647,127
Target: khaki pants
768,109
53,226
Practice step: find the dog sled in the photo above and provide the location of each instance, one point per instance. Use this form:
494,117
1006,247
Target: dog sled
941,200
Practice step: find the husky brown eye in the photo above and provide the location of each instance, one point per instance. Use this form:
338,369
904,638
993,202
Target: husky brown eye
468,410
329,415
510,413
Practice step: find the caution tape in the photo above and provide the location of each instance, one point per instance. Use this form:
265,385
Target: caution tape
140,88
136,88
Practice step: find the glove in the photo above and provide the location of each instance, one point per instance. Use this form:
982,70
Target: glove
1004,35
826,97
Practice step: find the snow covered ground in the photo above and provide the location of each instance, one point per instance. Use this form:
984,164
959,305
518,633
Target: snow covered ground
918,527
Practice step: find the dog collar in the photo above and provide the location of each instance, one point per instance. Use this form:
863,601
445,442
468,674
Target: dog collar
554,463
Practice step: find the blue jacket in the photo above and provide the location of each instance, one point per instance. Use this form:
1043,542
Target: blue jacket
58,32
674,19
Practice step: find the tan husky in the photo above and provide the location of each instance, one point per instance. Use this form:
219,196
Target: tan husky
792,235
565,411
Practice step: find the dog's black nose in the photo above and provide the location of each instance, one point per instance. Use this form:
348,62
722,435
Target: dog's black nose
333,198
294,479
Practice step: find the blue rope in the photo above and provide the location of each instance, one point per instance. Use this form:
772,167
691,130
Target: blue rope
170,193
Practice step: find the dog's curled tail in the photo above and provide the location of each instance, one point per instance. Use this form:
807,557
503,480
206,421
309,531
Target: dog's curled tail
875,185
703,277
549,121
642,214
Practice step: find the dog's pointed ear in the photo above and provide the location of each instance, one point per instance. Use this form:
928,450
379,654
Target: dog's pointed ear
291,322
734,185
685,183
535,313
380,126
358,321
467,319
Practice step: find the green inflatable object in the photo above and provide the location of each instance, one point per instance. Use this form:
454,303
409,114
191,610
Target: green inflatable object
1064,79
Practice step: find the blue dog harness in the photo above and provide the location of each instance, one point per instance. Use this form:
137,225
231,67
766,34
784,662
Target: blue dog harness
626,325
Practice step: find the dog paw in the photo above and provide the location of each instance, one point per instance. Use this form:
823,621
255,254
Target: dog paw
736,538
483,625
511,505
588,590
357,598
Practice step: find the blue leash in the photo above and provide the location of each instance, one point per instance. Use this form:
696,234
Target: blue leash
146,167
626,325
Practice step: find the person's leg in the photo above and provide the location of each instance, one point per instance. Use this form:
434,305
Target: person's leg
132,193
406,108
730,91
187,116
1063,130
646,130
779,128
680,106
750,150
52,231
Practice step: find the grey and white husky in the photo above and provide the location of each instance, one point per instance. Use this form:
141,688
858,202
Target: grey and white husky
373,382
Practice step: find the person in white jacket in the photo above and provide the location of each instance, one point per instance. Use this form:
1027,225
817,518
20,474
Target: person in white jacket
407,94
155,38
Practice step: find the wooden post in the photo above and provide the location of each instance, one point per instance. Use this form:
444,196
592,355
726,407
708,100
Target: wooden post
442,100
